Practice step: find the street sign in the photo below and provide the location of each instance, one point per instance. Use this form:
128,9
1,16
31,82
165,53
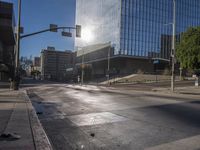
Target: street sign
78,31
68,34
53,28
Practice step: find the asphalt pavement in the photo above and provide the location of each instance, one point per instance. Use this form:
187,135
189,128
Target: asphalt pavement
96,117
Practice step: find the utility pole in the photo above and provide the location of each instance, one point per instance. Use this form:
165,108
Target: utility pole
17,50
173,46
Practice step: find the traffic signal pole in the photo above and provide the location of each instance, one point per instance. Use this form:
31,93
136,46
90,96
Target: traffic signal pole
46,30
17,50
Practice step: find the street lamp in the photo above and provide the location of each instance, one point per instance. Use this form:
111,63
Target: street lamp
173,49
173,46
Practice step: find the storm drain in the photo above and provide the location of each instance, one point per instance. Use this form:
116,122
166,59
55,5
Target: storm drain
95,118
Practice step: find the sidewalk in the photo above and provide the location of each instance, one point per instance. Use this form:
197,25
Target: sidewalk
189,90
20,128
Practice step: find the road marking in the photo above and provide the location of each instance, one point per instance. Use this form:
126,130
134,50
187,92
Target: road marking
96,118
191,143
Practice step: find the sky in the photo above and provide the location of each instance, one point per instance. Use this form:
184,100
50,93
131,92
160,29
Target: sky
36,15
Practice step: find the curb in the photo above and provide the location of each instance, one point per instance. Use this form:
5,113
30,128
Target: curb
40,138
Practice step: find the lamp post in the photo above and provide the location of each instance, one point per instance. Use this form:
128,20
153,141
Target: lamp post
173,46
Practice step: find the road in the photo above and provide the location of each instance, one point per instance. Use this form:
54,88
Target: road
102,118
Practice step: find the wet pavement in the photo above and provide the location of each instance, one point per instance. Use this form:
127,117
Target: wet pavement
94,118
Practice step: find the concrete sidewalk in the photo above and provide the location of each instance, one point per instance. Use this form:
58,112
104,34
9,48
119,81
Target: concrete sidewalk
20,128
189,90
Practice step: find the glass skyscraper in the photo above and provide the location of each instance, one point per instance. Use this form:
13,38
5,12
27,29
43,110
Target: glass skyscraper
136,28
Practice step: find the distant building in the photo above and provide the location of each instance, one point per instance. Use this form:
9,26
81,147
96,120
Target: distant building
51,48
7,41
36,66
37,62
54,64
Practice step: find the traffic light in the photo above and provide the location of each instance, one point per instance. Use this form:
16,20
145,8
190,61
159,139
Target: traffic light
78,31
53,28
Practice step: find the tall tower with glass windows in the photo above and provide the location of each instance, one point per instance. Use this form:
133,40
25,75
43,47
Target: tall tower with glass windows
138,28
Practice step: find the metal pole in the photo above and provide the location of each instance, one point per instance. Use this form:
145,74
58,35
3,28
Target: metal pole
18,36
173,46
108,75
17,50
82,69
45,30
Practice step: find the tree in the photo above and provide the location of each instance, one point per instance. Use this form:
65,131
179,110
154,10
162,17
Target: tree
35,73
188,50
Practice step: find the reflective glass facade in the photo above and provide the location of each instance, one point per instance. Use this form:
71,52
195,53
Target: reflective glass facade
102,18
139,28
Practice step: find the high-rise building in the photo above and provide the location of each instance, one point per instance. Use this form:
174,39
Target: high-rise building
136,28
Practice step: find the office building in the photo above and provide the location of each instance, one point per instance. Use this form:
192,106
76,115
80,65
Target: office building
54,64
139,30
7,41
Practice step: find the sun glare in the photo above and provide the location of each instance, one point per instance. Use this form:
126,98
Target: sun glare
87,35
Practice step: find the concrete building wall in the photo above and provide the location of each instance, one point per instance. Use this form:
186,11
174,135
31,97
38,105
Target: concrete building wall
122,66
